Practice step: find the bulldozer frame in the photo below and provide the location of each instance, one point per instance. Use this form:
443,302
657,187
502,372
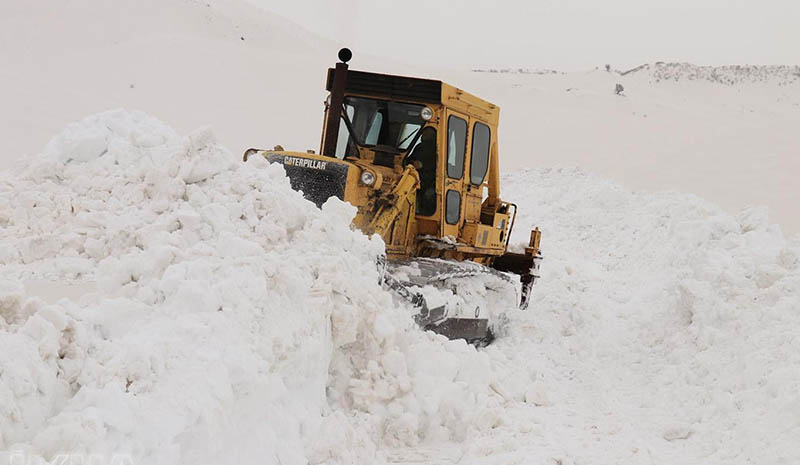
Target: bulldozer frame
419,160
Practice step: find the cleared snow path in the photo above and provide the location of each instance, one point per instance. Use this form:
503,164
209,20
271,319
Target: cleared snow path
160,300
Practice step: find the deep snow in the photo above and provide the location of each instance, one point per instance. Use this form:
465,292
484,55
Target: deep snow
211,315
214,315
162,300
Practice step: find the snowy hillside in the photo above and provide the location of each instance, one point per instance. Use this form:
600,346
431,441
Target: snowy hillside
727,75
220,62
206,299
736,144
259,79
660,71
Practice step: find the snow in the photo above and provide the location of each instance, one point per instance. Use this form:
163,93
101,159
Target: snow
162,302
212,276
672,323
678,127
207,314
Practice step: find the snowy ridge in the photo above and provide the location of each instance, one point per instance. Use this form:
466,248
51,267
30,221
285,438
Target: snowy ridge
214,316
517,71
660,71
727,75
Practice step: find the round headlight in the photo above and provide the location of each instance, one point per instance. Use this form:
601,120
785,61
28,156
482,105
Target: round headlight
426,113
367,178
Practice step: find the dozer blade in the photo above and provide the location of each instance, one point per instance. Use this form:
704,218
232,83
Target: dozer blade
430,317
474,330
471,321
426,316
427,271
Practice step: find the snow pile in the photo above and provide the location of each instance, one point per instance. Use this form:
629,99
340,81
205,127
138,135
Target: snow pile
162,301
216,287
213,314
664,329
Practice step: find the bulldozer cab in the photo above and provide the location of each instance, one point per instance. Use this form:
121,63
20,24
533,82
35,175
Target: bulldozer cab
446,134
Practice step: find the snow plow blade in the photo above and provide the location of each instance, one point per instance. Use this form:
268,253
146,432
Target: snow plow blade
473,330
468,317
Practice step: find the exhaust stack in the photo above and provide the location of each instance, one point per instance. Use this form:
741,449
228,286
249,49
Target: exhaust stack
336,102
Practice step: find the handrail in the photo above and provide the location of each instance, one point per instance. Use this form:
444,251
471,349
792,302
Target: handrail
511,226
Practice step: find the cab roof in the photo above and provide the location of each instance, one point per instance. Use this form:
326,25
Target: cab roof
411,89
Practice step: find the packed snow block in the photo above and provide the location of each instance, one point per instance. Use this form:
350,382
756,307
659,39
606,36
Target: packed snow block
201,159
82,145
38,247
31,388
13,307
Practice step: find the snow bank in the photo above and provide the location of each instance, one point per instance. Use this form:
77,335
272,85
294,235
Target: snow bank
214,283
664,329
182,307
162,301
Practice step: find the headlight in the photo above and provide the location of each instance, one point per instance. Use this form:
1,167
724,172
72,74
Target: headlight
426,113
367,178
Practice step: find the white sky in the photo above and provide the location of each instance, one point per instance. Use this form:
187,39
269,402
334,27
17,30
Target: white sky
569,34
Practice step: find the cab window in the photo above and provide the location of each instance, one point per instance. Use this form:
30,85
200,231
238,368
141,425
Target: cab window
423,157
392,125
453,207
456,146
374,129
344,146
479,161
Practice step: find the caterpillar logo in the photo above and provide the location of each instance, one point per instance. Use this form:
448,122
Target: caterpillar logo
305,163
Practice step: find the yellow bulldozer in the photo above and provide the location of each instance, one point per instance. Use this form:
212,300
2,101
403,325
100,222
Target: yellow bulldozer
419,160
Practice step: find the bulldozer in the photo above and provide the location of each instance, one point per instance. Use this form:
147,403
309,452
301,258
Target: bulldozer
419,160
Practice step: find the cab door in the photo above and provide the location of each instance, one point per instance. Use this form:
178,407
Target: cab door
455,150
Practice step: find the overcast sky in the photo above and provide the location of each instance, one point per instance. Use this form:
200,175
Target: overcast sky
569,34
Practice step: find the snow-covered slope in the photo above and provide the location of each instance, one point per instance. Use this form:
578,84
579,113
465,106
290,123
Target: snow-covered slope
727,75
259,80
220,62
213,315
660,71
735,144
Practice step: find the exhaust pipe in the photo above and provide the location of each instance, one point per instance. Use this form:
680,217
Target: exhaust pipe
337,100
